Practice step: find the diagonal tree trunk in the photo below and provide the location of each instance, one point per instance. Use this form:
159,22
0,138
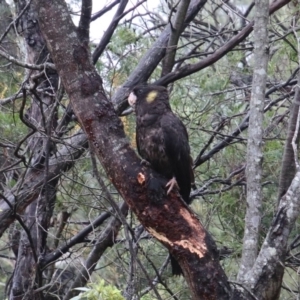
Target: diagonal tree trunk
154,55
165,217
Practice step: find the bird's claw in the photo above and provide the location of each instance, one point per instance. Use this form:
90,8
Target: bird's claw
146,163
171,184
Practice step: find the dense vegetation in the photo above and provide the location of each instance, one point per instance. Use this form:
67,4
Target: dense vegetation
66,228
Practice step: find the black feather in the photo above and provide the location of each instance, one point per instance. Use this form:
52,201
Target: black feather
162,138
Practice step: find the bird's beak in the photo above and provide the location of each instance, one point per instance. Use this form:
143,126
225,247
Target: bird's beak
132,99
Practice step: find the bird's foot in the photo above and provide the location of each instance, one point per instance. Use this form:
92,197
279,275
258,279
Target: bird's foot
145,162
171,184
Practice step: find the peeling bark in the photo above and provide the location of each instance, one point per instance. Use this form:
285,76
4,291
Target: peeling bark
166,217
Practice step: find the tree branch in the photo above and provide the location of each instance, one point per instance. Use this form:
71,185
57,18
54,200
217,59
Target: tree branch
150,60
26,65
84,22
109,32
142,189
288,168
104,10
218,54
26,190
255,136
240,128
176,29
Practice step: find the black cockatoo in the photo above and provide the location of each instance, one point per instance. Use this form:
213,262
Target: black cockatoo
162,140
161,137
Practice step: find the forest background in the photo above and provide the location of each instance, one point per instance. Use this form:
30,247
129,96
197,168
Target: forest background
78,215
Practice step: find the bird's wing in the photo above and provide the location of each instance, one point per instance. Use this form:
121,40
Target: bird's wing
178,151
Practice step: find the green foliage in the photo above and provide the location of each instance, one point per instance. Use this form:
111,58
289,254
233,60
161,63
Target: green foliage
202,101
99,291
10,120
123,53
123,36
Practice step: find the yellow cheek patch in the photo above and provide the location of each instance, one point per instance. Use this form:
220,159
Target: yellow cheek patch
151,96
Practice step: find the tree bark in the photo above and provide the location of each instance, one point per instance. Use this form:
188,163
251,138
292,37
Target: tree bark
105,240
42,114
165,217
176,29
255,142
219,53
265,278
151,59
288,168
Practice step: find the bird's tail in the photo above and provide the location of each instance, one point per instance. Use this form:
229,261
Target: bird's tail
176,269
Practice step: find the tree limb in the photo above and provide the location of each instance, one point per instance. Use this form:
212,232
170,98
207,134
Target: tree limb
176,29
165,216
218,54
84,22
109,32
150,60
255,136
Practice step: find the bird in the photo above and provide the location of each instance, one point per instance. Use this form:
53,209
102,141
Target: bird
162,141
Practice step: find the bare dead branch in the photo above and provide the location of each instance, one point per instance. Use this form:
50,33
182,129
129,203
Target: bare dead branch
176,29
219,53
109,32
152,57
104,10
84,22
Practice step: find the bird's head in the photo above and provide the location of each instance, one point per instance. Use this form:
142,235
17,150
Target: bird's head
148,94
